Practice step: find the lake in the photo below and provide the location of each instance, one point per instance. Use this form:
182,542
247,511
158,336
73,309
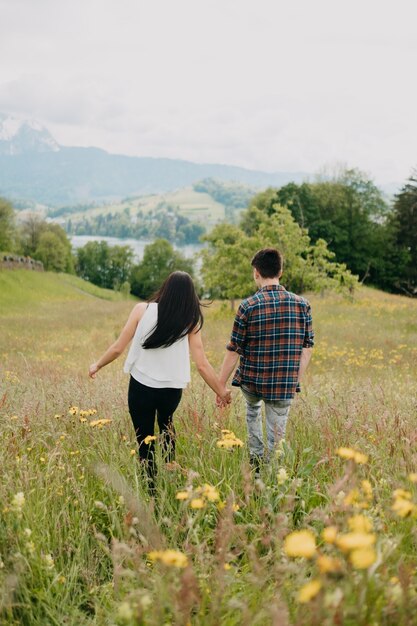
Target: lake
137,245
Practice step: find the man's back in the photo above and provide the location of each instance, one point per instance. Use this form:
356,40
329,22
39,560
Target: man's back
270,331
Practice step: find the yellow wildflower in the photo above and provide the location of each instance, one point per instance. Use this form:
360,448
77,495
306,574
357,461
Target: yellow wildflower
210,492
182,495
173,558
351,454
362,558
100,423
229,441
412,477
148,439
403,507
235,508
132,452
345,453
227,566
354,541
329,534
402,493
197,503
367,489
309,591
73,410
360,523
328,564
354,498
360,458
300,543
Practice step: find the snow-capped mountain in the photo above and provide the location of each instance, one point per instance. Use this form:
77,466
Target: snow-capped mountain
20,136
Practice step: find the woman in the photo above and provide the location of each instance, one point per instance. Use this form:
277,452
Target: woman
164,331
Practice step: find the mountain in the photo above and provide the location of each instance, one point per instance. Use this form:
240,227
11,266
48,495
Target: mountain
19,136
33,167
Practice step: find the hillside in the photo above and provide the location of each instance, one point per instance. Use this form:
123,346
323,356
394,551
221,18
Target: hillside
21,290
77,519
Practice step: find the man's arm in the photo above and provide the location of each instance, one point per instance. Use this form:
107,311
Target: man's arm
307,344
304,361
228,365
235,346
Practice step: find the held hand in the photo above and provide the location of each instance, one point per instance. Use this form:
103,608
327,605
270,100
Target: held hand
224,399
93,370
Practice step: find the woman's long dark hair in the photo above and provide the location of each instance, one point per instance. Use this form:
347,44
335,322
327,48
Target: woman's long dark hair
179,311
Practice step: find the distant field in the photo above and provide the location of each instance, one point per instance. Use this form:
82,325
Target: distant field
76,547
199,207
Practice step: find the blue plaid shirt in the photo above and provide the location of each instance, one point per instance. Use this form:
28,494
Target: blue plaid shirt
270,330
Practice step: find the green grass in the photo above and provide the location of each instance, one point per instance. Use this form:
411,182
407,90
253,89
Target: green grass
22,289
87,507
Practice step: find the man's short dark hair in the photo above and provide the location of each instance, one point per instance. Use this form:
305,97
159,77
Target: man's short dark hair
268,262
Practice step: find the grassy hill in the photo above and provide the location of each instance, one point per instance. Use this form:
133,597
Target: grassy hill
78,530
199,207
22,290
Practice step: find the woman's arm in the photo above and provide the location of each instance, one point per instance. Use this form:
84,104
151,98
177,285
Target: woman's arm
121,342
204,368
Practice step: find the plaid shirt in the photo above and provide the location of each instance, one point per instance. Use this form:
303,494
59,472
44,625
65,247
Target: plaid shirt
270,330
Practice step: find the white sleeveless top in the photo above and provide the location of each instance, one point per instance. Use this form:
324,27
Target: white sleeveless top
157,367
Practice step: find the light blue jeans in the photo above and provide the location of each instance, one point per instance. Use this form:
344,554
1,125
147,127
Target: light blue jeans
276,415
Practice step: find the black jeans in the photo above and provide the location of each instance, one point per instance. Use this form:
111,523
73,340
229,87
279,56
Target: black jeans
146,403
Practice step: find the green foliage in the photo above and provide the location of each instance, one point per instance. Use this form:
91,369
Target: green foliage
226,269
159,260
104,265
234,196
348,211
52,252
164,222
7,226
403,224
46,242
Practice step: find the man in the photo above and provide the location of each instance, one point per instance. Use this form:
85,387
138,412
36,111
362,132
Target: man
273,335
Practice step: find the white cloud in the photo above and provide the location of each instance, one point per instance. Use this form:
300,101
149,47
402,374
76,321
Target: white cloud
266,84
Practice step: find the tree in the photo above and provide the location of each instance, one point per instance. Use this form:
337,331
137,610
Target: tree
159,260
403,223
226,267
226,270
7,226
348,211
104,265
52,252
33,243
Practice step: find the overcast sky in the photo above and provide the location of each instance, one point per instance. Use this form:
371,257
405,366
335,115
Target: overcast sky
266,84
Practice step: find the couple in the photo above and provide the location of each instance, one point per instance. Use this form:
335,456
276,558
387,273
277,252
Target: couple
272,335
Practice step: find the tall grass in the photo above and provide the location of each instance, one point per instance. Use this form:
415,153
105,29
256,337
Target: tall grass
87,545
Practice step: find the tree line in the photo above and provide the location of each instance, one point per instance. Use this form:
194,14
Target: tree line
333,232
165,221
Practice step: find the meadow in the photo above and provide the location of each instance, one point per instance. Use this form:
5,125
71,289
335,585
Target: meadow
326,535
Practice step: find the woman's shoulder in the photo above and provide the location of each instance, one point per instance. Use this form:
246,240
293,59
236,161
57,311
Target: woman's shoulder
139,310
